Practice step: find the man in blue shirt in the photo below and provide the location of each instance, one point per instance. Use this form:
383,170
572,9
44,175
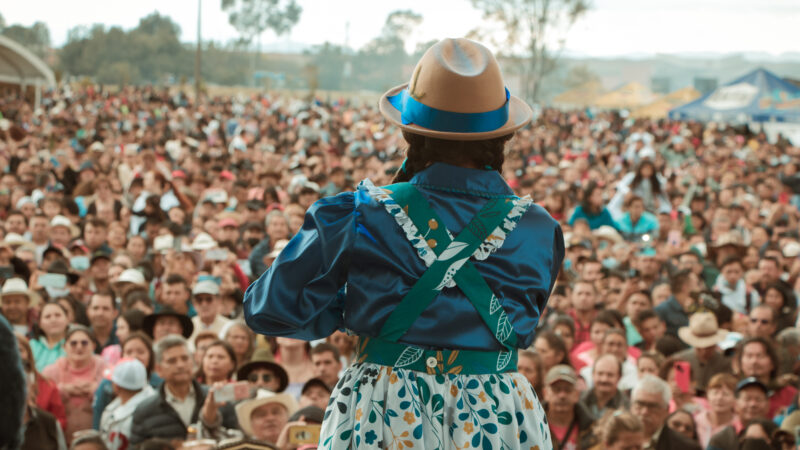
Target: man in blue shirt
676,309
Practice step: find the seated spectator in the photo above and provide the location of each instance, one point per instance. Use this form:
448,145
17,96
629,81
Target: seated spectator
180,401
264,417
77,375
131,387
263,372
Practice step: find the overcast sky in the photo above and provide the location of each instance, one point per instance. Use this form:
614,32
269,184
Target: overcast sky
611,27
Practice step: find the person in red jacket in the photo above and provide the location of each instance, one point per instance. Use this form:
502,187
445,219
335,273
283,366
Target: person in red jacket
48,397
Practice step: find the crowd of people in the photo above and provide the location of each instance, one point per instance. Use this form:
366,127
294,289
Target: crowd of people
132,223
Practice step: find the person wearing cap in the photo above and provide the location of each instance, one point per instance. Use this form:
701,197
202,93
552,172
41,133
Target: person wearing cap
99,263
60,231
569,421
752,403
456,116
650,401
265,416
15,302
227,232
757,357
130,386
702,336
205,299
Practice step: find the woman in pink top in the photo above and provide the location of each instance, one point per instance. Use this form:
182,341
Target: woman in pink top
720,413
77,375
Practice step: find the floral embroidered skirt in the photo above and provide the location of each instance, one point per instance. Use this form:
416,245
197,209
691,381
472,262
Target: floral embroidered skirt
375,406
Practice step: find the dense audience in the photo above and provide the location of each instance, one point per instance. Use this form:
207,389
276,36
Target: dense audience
132,222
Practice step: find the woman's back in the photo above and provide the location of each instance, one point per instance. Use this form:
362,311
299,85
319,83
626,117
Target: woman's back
372,254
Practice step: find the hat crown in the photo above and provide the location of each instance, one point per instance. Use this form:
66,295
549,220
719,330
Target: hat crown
15,286
458,75
703,324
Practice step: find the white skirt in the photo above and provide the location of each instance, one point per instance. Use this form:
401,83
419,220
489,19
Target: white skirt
376,406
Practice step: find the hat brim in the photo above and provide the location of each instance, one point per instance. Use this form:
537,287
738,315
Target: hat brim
150,322
519,114
244,371
33,298
701,342
246,408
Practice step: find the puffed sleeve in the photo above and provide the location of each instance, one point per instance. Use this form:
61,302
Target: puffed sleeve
299,295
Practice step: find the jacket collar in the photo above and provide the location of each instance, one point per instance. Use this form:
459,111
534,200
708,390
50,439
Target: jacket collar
450,178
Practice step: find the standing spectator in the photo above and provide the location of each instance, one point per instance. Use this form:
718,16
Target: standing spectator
129,381
264,417
651,328
721,394
49,346
675,311
757,358
325,358
550,347
650,401
681,421
77,375
263,372
46,393
102,312
242,339
703,335
175,294
15,301
165,322
620,430
530,365
205,299
604,395
583,309
180,399
730,283
570,422
592,209
218,365
636,222
752,403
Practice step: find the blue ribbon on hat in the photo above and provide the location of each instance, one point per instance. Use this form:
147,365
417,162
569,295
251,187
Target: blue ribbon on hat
414,112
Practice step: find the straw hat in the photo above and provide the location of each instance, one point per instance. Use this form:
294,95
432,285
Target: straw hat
702,331
246,408
18,286
456,92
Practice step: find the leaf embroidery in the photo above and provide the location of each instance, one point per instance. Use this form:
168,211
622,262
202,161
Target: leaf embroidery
494,305
452,250
503,358
451,272
409,356
503,328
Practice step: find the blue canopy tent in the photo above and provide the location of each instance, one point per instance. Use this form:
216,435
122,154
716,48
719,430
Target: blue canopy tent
759,96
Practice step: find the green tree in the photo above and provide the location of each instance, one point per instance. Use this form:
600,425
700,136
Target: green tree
535,30
380,62
36,37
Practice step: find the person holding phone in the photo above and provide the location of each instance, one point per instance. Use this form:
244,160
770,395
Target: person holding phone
443,274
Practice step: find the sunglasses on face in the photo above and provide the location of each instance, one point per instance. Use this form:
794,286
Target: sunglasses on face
75,344
265,377
203,299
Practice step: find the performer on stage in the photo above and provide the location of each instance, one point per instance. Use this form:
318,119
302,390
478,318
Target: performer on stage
443,275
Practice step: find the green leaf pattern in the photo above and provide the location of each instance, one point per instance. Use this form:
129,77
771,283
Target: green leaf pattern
498,411
409,356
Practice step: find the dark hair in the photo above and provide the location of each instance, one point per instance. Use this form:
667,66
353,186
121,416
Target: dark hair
103,293
201,376
610,317
425,150
768,348
587,193
555,342
177,279
323,348
643,315
768,426
139,335
691,418
679,280
654,183
134,318
38,332
565,320
731,260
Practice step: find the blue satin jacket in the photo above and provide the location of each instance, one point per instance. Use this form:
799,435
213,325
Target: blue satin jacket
351,263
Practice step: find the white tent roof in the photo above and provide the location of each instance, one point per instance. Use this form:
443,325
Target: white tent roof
20,65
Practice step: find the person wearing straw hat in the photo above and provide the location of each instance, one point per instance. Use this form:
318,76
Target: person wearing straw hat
703,335
443,274
15,303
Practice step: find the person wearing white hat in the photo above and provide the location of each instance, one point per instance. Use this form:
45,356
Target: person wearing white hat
392,249
130,385
206,302
703,335
264,417
15,301
60,231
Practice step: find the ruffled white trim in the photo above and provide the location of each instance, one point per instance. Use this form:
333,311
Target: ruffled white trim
497,237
